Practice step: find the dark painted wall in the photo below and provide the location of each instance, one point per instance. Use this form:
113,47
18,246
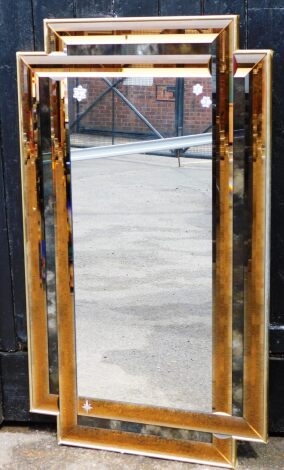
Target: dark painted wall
262,26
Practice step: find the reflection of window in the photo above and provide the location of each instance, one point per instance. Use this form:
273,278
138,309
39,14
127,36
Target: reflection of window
138,81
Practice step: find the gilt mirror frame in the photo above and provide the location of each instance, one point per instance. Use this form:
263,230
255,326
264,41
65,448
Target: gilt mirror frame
210,422
252,165
60,34
41,398
198,446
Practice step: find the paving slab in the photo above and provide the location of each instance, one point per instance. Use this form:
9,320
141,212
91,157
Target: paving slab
36,448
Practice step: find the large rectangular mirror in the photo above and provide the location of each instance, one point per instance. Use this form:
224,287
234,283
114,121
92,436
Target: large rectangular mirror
187,35
139,324
177,441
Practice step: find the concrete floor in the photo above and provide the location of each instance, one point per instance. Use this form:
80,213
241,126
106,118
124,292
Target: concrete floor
24,448
142,231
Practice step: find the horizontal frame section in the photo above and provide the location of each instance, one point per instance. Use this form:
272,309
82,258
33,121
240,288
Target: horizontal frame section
137,38
140,24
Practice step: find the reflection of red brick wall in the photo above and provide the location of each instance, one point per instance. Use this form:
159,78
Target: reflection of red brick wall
196,118
161,114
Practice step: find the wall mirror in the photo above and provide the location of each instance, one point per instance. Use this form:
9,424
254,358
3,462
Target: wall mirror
49,90
184,35
199,37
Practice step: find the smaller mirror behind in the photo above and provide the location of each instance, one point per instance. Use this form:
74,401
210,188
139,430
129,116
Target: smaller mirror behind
142,235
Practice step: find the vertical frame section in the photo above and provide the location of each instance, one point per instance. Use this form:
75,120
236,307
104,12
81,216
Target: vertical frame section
34,242
255,376
222,225
253,73
63,263
241,223
45,123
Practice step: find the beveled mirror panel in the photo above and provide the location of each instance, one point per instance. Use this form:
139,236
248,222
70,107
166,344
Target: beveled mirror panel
142,239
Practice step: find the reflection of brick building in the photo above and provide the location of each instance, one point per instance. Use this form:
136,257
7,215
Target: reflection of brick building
154,98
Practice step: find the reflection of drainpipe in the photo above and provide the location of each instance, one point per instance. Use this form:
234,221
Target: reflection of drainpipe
113,113
179,112
179,108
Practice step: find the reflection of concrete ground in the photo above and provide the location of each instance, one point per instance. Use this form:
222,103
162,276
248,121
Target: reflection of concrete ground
142,229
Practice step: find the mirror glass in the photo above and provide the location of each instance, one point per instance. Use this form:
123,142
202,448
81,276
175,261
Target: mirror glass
47,199
141,172
141,49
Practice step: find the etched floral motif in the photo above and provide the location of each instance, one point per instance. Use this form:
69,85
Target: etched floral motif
79,93
87,406
197,89
206,102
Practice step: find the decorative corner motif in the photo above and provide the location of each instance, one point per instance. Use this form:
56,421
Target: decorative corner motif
87,406
79,93
197,89
206,102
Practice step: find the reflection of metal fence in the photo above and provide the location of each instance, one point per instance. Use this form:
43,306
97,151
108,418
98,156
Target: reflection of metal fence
179,145
82,136
83,141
